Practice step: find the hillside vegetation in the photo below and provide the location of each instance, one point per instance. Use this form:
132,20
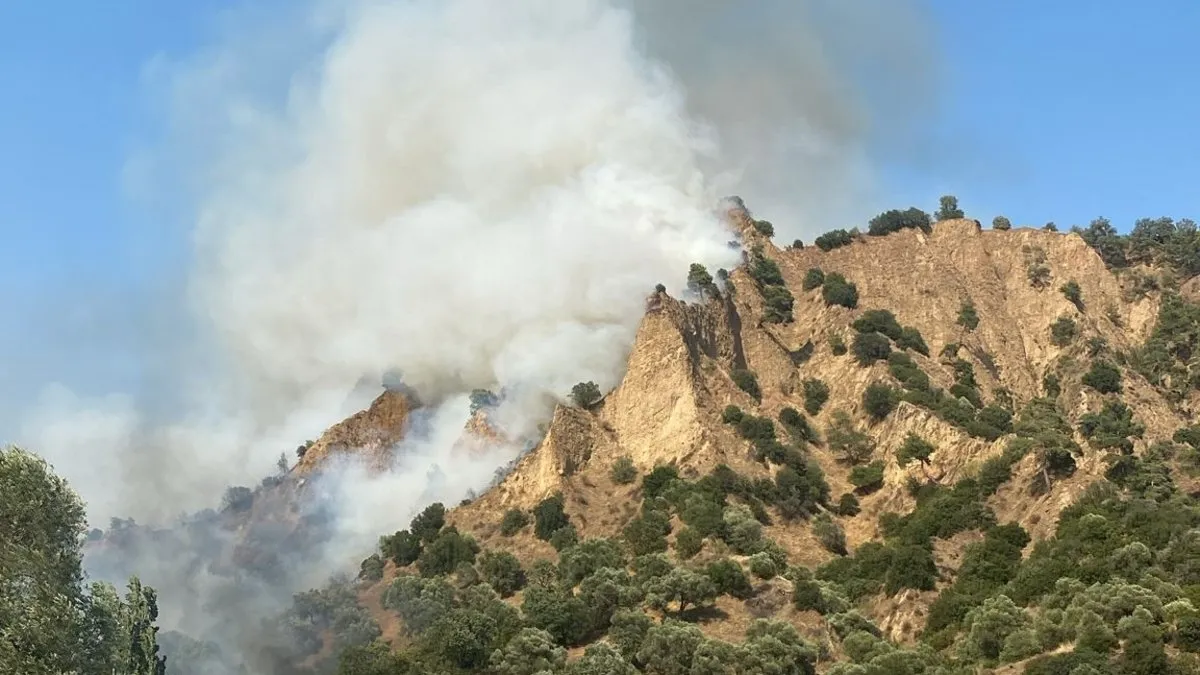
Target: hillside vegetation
926,449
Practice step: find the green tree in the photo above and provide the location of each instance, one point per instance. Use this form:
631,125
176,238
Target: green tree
1104,377
871,347
816,393
1001,223
588,557
896,220
513,522
729,578
837,291
765,228
830,534
688,543
914,448
531,652
402,547
557,611
463,637
867,478
682,586
846,442
1073,294
813,278
833,239
601,658
669,647
502,571
948,208
967,316
445,553
699,280
585,394
549,516
1063,331
49,623
747,382
879,400
429,522
647,533
623,471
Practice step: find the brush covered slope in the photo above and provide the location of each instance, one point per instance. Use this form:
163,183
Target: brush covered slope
929,449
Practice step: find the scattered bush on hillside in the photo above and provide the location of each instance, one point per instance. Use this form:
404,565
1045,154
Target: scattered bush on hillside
688,543
879,400
837,346
1001,223
816,393
838,291
403,547
1073,294
623,471
700,281
765,228
732,414
967,316
549,516
1050,227
564,537
729,578
1063,331
502,571
1112,428
830,534
1036,269
813,279
911,339
867,478
834,239
513,522
797,244
747,382
1104,377
444,553
848,505
896,220
777,304
914,448
585,394
878,321
871,347
846,442
948,208
797,425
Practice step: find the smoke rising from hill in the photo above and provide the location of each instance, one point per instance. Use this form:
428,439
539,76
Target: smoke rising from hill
471,193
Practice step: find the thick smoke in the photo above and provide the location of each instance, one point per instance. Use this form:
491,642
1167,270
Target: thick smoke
468,193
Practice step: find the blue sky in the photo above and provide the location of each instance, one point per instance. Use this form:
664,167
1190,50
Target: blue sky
1056,111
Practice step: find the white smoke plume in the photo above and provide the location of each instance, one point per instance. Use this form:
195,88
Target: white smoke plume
470,193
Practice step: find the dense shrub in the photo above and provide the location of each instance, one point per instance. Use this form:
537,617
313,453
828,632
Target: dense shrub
967,316
732,414
838,291
647,533
896,220
549,516
501,571
837,346
1112,427
871,347
848,505
513,522
655,483
1063,331
878,321
816,393
948,208
623,471
833,239
867,478
1104,377
846,442
699,280
910,338
688,543
402,547
1001,223
729,578
585,394
914,448
830,534
879,400
777,304
444,553
813,278
765,228
1073,294
747,382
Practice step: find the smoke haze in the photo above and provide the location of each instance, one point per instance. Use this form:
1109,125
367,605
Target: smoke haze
468,193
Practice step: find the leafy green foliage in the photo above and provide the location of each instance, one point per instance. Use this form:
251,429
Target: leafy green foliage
948,208
967,316
765,228
549,516
914,448
878,321
816,393
838,291
910,338
896,220
1001,223
1073,294
502,571
513,522
834,239
585,394
830,534
402,547
879,400
848,505
729,578
444,554
699,280
1113,427
1104,377
846,442
867,478
623,471
777,299
837,346
871,347
813,278
648,532
747,382
1063,331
